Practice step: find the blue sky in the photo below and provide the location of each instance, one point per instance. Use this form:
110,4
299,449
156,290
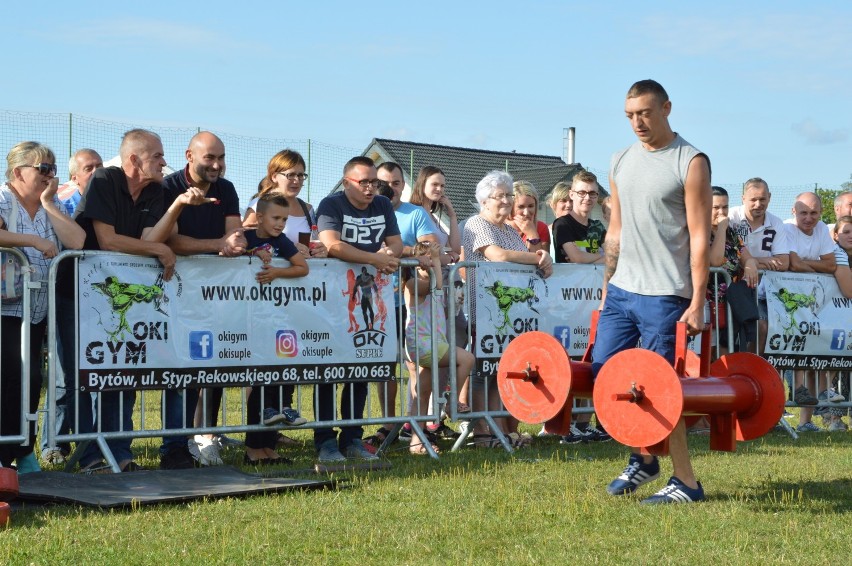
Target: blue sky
762,87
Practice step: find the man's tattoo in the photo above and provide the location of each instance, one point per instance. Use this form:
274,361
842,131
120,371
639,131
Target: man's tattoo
611,252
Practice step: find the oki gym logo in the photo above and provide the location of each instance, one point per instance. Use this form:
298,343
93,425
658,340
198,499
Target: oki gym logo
127,342
508,299
365,295
200,345
286,344
795,332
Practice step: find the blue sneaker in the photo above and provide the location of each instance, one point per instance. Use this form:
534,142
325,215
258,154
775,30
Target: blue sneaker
292,417
271,416
27,464
635,474
676,492
328,452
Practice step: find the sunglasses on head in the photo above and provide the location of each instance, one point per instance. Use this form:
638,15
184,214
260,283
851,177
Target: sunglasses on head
44,168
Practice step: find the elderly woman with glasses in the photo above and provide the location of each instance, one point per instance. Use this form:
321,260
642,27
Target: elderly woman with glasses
285,174
489,237
33,220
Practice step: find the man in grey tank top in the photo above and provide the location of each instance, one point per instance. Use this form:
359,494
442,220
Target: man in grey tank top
657,264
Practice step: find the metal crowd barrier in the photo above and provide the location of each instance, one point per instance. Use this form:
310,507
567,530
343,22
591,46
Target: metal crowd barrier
23,435
230,423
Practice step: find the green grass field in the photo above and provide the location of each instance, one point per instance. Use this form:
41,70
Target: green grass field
773,501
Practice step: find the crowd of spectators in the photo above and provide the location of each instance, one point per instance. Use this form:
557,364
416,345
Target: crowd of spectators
132,208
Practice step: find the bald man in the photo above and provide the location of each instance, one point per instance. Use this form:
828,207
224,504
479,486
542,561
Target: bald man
215,228
811,251
81,167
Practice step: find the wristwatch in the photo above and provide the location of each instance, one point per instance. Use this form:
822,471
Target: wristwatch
534,241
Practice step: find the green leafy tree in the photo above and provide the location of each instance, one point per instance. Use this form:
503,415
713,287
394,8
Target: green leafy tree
827,197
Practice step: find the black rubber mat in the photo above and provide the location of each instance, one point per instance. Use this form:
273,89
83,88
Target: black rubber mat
151,486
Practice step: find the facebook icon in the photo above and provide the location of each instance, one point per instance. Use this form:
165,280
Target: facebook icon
563,334
838,339
201,345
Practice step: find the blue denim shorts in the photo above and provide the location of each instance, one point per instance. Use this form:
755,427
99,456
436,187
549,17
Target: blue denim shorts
628,317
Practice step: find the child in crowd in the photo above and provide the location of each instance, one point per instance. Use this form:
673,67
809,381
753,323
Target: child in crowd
266,242
418,336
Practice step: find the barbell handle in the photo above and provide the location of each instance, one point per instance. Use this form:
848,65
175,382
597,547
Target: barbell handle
528,374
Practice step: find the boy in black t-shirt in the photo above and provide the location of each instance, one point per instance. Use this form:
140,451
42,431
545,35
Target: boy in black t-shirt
266,242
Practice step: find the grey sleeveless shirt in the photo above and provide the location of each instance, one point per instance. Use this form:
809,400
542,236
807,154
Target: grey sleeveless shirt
654,257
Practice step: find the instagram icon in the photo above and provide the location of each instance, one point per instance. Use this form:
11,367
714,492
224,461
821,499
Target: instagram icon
285,344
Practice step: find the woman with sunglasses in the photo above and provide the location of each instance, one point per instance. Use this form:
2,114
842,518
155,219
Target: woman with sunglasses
285,174
33,220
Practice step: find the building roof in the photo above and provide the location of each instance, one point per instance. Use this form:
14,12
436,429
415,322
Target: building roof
464,167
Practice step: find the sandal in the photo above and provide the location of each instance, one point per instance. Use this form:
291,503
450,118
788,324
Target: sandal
96,467
462,407
284,440
376,439
419,449
486,441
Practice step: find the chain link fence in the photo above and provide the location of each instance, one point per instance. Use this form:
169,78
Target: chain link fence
246,156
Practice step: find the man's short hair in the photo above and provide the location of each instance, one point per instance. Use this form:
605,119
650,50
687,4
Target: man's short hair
719,192
270,198
355,162
134,140
584,177
648,86
390,167
838,200
72,163
754,181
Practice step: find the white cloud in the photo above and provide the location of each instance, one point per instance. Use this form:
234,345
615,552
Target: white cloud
814,134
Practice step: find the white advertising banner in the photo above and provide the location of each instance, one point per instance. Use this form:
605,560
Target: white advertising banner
810,322
512,299
214,325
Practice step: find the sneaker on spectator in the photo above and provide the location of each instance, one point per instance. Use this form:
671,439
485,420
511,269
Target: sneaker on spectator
804,397
272,416
194,452
405,433
832,396
636,473
209,450
808,427
356,451
443,431
178,458
292,417
575,436
328,452
676,492
594,434
224,441
27,464
53,456
837,426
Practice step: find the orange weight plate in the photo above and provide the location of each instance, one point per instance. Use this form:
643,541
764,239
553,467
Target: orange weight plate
769,405
652,419
541,399
8,484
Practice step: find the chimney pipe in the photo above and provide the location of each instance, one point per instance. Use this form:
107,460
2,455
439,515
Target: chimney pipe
568,144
